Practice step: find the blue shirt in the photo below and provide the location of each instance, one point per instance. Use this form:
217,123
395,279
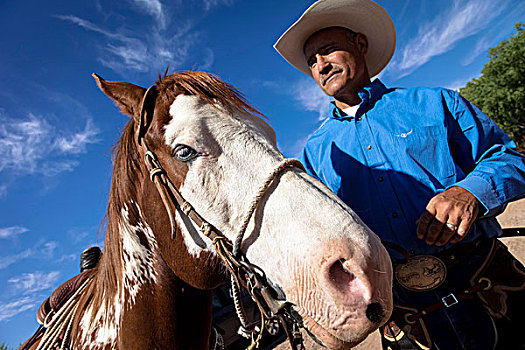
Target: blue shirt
402,148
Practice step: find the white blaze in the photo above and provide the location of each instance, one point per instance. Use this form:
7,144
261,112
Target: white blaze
305,236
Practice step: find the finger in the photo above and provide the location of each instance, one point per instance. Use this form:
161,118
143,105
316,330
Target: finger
449,231
463,228
423,223
467,219
434,230
456,238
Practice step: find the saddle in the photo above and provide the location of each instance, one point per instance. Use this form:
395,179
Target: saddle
59,297
88,260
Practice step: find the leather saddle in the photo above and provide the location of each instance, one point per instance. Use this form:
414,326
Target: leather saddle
88,260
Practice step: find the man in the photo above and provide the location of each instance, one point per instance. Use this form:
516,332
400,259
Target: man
426,170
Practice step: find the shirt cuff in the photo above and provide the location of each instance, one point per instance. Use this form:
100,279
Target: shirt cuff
482,190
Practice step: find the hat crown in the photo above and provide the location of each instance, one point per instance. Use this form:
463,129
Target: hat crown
361,16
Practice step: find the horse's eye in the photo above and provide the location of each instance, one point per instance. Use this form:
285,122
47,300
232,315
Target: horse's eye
185,153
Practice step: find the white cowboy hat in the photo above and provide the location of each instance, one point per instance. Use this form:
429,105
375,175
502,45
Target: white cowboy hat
360,16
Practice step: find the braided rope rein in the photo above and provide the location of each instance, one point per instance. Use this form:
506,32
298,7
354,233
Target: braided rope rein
286,163
61,322
241,314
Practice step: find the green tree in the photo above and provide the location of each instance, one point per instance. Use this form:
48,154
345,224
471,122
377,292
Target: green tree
500,90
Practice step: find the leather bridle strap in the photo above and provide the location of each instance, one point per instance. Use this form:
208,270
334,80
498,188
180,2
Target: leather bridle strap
243,273
170,194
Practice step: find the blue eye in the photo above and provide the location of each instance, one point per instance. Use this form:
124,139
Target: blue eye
185,153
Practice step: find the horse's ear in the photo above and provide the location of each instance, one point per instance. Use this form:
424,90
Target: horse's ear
127,96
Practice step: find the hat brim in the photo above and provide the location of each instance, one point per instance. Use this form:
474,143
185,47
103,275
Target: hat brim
360,16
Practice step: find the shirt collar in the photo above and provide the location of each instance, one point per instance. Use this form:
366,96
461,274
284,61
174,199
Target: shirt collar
369,96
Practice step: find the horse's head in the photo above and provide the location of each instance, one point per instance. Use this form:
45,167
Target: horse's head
218,152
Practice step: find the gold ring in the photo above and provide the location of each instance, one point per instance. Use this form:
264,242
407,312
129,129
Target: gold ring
451,226
485,279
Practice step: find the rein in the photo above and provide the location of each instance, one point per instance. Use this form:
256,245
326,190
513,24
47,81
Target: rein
57,326
243,273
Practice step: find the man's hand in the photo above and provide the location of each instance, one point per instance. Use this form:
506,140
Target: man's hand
448,217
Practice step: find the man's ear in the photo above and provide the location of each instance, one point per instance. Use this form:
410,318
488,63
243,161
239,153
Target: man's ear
361,42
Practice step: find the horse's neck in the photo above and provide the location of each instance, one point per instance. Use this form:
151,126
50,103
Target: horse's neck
145,306
168,314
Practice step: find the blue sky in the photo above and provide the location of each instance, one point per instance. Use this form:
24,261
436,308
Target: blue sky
57,128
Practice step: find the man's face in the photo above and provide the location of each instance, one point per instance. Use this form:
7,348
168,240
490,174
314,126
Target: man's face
336,60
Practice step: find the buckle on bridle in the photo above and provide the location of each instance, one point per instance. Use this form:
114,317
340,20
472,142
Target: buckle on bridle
449,300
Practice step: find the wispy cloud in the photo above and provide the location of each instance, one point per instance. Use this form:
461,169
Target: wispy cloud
13,231
28,287
463,19
35,146
294,149
41,250
159,43
13,308
6,261
76,143
482,46
29,283
460,83
155,9
311,97
81,234
67,258
209,4
48,249
142,52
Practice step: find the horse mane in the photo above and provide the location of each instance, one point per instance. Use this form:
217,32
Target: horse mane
205,85
127,174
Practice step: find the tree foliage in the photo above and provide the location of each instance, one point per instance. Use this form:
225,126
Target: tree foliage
500,90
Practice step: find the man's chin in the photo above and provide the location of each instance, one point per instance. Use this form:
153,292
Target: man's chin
333,85
332,90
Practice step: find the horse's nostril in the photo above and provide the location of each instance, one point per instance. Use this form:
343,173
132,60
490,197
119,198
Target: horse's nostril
375,312
340,275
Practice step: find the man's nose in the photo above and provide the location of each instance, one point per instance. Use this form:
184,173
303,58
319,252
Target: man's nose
323,65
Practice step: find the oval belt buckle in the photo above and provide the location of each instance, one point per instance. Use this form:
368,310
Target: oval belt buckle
421,273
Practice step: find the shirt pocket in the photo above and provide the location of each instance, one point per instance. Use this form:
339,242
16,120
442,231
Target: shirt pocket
427,153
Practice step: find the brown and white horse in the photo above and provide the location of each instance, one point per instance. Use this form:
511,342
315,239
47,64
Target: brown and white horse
150,291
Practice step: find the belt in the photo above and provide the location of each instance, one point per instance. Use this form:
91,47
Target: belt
450,300
424,272
449,256
457,253
453,255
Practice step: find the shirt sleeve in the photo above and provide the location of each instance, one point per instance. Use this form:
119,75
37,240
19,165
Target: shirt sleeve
495,170
303,158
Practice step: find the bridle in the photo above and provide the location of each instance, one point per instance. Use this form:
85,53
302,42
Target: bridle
243,273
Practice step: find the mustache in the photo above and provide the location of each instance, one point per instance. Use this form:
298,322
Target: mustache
334,70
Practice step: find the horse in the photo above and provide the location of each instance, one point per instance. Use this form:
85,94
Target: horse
152,288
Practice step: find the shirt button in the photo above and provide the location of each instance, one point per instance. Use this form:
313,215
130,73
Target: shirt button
358,119
380,179
368,147
394,215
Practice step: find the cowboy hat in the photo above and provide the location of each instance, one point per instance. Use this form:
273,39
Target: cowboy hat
360,16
